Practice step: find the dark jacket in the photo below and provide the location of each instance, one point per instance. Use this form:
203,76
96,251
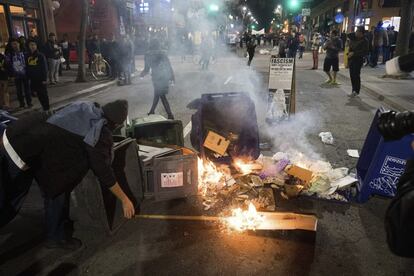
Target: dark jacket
293,42
251,48
52,50
4,68
17,64
359,47
399,218
57,158
162,73
36,66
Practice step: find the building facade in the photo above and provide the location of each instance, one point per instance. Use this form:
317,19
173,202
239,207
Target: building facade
25,18
346,15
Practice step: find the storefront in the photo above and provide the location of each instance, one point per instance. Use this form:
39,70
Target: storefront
19,18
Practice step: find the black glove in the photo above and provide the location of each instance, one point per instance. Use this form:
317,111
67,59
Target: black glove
395,125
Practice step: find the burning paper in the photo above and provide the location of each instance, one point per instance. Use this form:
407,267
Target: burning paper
244,220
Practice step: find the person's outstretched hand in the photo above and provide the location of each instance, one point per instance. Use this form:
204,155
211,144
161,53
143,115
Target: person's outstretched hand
129,210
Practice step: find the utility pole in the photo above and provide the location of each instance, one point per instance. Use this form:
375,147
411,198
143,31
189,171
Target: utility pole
405,27
81,77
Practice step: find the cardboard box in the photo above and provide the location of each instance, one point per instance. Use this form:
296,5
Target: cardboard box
216,143
301,173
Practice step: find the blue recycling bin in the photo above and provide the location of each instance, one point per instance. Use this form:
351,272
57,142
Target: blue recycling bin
5,119
381,163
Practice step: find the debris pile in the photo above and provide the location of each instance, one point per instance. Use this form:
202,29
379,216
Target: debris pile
246,183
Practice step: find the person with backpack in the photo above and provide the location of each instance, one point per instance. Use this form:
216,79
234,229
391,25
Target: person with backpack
162,75
37,74
17,62
58,150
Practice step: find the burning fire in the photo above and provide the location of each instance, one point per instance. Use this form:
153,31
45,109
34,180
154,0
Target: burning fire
244,220
246,167
208,174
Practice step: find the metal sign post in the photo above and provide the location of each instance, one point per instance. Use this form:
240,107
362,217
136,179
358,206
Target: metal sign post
282,89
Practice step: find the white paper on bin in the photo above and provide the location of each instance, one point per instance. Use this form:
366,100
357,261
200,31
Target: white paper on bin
170,180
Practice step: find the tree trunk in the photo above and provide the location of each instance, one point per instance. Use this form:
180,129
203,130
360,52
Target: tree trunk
81,77
405,27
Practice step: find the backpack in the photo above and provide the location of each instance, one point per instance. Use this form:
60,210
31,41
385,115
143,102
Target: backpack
399,218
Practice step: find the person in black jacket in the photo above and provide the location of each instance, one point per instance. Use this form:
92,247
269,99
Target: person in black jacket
37,74
157,61
53,53
58,151
251,48
358,49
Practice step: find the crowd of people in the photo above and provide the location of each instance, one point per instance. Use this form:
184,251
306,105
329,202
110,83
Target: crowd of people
33,65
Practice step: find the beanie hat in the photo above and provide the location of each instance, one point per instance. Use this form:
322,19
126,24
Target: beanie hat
116,111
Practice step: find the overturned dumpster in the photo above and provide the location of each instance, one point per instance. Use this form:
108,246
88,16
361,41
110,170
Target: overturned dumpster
97,206
225,127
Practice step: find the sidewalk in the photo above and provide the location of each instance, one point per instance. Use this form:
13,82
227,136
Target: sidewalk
398,94
67,89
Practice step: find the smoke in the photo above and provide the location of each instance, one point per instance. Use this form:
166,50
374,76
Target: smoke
292,136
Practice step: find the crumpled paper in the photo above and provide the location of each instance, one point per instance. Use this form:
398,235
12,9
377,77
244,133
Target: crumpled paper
326,138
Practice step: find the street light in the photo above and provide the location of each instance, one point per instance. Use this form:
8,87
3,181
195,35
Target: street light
244,8
293,4
213,7
249,13
279,7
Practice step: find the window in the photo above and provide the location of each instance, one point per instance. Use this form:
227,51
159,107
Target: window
32,13
4,33
17,11
18,28
144,7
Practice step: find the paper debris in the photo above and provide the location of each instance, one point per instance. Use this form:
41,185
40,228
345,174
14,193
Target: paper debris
326,137
344,182
216,143
353,153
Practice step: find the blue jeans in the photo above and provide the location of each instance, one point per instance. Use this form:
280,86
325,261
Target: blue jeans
14,187
385,54
374,56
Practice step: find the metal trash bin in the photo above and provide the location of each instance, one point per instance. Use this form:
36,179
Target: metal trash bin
169,173
226,114
96,206
156,130
381,163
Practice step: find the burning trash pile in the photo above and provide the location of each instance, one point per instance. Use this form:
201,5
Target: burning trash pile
252,182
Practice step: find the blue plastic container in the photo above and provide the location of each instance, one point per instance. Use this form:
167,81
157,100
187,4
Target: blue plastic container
382,163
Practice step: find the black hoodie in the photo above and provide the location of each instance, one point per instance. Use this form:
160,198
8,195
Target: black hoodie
36,66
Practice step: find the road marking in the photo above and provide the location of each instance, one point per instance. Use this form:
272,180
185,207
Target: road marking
99,86
228,80
187,129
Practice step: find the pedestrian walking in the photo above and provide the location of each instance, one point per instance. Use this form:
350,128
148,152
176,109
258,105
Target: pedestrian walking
66,45
37,74
358,49
282,47
332,46
316,44
4,83
369,36
251,49
379,39
205,50
53,54
293,45
126,51
58,151
162,75
302,45
17,62
392,37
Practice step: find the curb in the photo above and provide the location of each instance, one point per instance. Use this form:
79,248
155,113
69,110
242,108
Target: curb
378,96
72,96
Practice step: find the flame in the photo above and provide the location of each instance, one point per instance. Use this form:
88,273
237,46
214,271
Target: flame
244,220
245,167
208,175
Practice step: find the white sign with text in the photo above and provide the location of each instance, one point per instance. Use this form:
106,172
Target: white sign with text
281,73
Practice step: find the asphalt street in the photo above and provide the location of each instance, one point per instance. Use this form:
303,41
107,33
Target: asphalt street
350,239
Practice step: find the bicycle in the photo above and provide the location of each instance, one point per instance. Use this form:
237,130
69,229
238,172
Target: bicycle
100,68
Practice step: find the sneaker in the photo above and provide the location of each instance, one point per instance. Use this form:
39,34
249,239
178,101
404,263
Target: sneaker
328,81
334,82
68,244
353,94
